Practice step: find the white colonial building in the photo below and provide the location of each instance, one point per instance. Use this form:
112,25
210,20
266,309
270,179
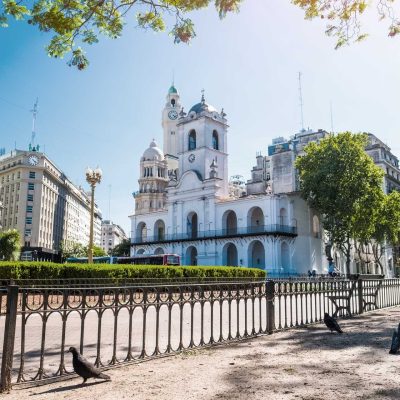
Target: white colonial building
186,204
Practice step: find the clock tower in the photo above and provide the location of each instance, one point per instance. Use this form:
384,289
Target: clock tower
170,116
202,145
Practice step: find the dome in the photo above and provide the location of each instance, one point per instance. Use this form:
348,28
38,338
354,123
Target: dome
153,152
172,90
202,106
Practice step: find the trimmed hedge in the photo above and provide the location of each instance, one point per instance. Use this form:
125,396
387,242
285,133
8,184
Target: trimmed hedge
47,270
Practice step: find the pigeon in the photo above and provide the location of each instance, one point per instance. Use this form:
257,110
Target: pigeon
331,323
394,348
83,367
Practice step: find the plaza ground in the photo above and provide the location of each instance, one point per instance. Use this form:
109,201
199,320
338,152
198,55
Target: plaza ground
308,363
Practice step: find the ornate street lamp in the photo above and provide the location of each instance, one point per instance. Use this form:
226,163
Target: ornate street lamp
93,177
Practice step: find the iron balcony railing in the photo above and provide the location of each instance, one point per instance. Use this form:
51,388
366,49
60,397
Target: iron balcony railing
274,229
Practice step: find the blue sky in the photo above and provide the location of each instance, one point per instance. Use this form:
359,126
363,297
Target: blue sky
248,64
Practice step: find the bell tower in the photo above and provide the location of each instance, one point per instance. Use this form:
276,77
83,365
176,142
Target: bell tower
202,145
170,116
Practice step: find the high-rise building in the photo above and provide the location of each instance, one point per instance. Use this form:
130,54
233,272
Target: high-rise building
111,236
43,205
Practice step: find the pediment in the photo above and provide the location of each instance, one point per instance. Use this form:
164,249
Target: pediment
190,180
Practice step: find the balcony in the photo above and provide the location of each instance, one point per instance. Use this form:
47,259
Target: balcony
275,229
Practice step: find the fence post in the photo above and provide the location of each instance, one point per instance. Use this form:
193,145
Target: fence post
270,297
9,338
360,296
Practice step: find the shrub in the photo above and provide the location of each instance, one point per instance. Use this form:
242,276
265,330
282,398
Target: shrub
116,272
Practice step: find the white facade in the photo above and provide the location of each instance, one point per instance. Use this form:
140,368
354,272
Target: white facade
111,235
198,216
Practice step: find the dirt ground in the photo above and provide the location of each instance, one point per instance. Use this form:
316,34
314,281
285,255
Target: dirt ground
308,363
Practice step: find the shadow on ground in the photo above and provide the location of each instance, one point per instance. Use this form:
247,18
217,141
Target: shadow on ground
312,363
69,387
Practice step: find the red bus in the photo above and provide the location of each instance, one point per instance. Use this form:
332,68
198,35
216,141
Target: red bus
151,259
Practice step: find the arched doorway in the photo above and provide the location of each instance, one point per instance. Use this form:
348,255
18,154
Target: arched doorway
230,255
141,232
256,254
229,222
192,222
159,250
191,256
159,230
285,257
283,218
255,220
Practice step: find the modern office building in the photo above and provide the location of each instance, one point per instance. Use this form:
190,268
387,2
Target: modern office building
43,204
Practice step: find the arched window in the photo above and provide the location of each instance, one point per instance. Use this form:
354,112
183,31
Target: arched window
215,143
192,139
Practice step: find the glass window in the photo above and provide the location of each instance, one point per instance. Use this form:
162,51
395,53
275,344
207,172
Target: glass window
28,220
215,143
31,186
192,140
30,197
32,175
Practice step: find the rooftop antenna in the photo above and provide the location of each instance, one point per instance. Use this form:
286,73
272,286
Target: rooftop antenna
332,130
301,102
173,77
34,112
109,202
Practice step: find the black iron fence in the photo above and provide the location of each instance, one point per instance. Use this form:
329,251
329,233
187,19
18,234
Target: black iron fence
115,324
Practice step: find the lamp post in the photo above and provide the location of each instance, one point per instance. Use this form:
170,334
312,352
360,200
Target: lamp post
93,177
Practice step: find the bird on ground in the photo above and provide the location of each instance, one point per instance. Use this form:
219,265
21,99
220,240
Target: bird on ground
84,368
331,323
394,348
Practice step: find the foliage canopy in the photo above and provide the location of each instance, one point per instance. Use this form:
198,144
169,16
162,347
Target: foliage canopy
122,249
341,182
79,23
344,18
10,245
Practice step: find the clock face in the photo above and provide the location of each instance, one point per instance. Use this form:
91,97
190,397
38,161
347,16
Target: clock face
33,160
173,114
191,158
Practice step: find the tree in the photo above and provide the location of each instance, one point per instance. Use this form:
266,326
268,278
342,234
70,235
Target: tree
344,17
72,250
97,251
122,249
386,230
78,250
10,245
340,181
81,22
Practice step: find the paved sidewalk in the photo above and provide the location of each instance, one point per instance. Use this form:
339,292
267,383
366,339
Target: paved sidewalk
308,363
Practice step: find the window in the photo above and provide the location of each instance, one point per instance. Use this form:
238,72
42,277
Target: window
32,175
31,186
29,209
192,140
215,143
30,197
28,220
